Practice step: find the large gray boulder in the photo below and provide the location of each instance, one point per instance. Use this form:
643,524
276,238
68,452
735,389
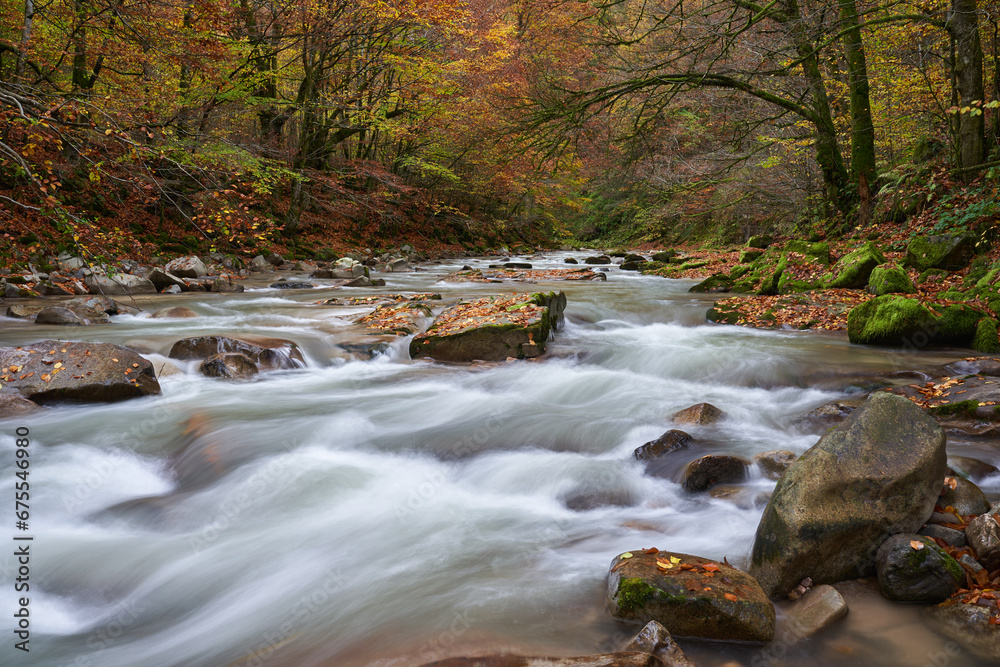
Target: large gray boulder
877,474
689,595
983,535
187,267
54,371
122,284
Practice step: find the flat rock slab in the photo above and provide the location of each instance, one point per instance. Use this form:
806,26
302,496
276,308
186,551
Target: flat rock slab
401,319
380,299
627,659
492,329
522,275
690,596
52,371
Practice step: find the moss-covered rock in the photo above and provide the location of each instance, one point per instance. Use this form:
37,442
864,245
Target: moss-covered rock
889,279
664,256
705,599
940,252
818,251
889,320
985,339
752,255
912,568
759,241
957,325
713,284
854,268
724,314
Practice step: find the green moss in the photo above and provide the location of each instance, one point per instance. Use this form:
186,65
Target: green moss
927,273
854,269
889,320
889,279
818,251
759,241
634,593
752,255
940,252
957,324
740,271
959,409
986,339
696,264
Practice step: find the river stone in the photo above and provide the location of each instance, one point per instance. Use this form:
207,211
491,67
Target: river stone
966,498
90,372
671,441
259,265
175,312
713,469
940,252
225,283
969,625
952,537
819,608
924,574
639,592
104,304
186,267
231,366
12,405
774,464
664,256
972,468
983,535
288,285
266,353
701,413
483,330
597,260
743,497
47,288
22,312
121,285
61,316
623,659
570,260
656,640
891,320
877,474
274,259
162,280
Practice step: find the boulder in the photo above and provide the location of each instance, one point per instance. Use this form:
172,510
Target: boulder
690,596
700,413
875,475
986,339
951,537
957,325
656,640
891,320
225,283
13,405
889,279
60,316
671,441
854,269
819,608
162,279
940,252
969,625
597,260
47,288
570,260
291,285
175,312
983,535
23,312
186,267
774,464
759,241
230,365
818,251
664,256
912,568
266,353
713,285
492,329
750,256
259,265
707,471
53,371
964,497
274,259
121,285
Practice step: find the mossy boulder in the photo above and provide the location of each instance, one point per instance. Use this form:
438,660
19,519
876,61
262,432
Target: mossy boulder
819,251
492,328
913,568
759,241
889,279
690,596
751,255
957,325
722,313
940,252
985,339
875,475
664,256
854,269
890,320
713,285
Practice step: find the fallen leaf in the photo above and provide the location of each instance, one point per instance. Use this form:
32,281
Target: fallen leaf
730,597
917,545
665,566
711,567
113,359
46,377
951,483
627,554
651,550
692,585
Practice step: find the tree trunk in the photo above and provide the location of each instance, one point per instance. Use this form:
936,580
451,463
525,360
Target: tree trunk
863,169
22,52
968,67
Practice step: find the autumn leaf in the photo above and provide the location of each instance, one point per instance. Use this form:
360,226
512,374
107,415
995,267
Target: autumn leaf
731,597
651,550
711,567
917,545
692,585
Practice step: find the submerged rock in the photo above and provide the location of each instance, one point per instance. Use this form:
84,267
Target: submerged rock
265,353
671,441
819,608
656,640
12,405
230,365
774,464
706,472
701,413
175,312
52,371
492,329
877,474
969,625
690,596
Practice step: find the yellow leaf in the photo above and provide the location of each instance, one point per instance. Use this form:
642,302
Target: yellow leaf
627,554
917,545
108,131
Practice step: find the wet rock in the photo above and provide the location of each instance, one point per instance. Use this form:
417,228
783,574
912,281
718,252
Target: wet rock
22,312
819,608
656,640
120,285
305,267
713,285
259,265
266,353
741,496
588,497
971,563
914,569
59,316
225,283
940,252
713,469
13,405
186,267
162,280
87,372
570,260
492,329
396,318
972,468
835,411
102,304
952,537
664,256
360,281
702,414
274,259
890,320
966,498
601,660
291,285
175,312
774,464
729,605
969,625
877,474
983,535
598,260
231,366
671,441
173,289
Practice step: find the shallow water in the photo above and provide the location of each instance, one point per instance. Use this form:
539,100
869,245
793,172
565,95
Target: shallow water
392,512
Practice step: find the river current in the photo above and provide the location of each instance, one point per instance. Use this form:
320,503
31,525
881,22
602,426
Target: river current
388,512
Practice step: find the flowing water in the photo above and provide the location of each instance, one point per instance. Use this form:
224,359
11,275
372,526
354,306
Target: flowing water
391,512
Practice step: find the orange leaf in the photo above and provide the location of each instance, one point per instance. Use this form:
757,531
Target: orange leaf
731,597
917,545
711,567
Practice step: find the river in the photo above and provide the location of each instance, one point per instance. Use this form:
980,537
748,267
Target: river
391,512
